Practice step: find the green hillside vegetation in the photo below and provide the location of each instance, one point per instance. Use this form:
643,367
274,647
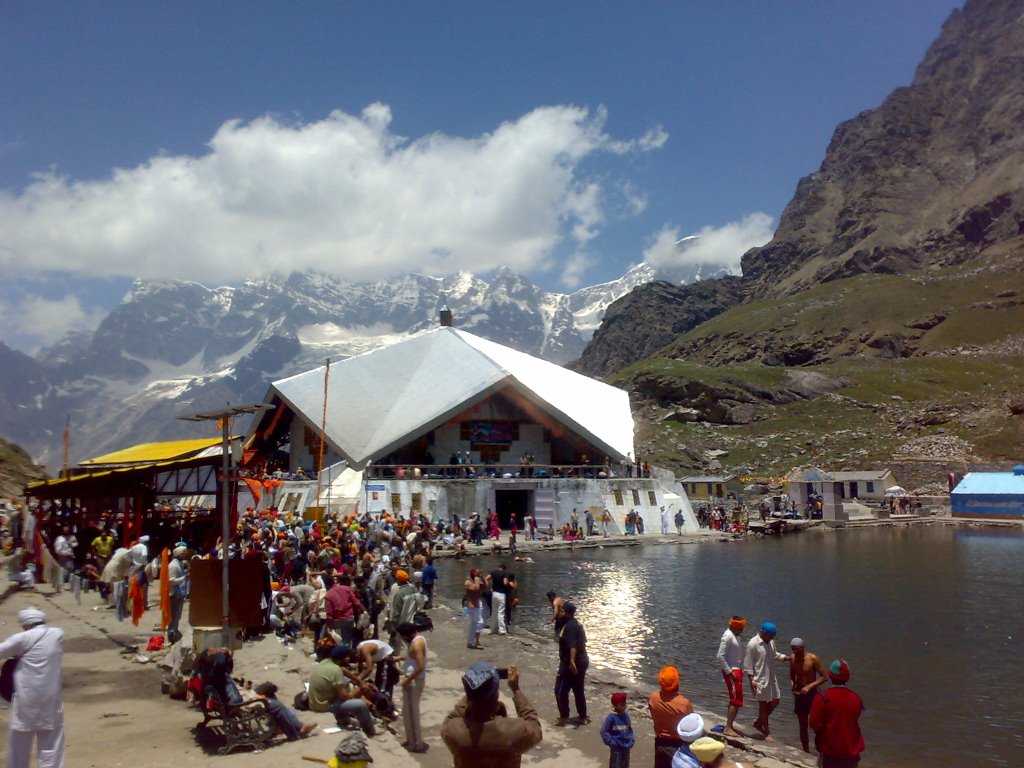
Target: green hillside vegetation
880,315
878,410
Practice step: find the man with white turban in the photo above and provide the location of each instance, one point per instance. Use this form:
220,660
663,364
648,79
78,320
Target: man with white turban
37,711
690,729
177,589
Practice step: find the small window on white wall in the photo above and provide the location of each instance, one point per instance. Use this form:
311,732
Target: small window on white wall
636,497
652,497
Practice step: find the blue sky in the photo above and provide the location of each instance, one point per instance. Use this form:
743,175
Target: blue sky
662,118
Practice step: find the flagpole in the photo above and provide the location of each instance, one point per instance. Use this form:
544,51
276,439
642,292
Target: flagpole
323,434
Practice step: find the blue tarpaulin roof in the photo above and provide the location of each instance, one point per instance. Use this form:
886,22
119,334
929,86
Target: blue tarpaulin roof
991,483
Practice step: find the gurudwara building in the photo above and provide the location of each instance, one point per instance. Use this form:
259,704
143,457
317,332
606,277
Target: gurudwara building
447,423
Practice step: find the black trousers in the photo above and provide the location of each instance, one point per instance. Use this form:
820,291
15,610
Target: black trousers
565,682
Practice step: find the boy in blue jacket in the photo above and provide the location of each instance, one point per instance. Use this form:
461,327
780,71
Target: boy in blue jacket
617,732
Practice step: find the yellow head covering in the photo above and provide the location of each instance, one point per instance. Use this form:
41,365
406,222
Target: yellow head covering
707,749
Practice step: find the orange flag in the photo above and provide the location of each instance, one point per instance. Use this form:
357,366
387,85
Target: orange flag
255,488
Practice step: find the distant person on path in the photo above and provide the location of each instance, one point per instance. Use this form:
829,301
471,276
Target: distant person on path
37,712
413,681
679,520
499,596
835,718
572,668
730,659
689,730
473,586
639,523
178,591
667,707
606,521
531,527
617,732
806,674
758,664
588,517
479,732
343,607
428,579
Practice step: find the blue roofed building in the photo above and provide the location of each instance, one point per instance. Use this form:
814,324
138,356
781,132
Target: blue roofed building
997,495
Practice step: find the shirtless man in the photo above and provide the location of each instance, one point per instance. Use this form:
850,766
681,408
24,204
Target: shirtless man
806,673
558,616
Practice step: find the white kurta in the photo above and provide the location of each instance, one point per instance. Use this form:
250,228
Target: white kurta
37,702
730,652
759,663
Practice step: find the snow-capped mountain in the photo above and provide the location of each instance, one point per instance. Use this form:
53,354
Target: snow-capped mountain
171,347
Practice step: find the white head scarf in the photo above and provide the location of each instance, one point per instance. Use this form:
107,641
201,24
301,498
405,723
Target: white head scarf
29,617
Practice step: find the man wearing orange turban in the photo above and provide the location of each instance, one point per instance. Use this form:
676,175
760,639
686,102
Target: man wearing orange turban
730,658
667,706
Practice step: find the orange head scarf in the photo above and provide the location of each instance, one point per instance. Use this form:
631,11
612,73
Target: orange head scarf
401,577
668,679
737,624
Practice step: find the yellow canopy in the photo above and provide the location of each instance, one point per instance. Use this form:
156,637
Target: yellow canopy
147,452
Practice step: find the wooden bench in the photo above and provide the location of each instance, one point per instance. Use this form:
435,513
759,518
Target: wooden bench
245,725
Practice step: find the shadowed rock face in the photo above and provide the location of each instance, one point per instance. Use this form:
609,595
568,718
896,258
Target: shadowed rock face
651,316
932,176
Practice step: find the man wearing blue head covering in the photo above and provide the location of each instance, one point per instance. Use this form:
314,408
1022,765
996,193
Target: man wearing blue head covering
760,670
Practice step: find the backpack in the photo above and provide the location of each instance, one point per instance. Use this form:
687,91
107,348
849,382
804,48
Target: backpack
8,670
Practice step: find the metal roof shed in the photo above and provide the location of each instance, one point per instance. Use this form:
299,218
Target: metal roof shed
990,495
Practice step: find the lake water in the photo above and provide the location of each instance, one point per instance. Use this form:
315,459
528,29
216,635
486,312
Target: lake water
931,620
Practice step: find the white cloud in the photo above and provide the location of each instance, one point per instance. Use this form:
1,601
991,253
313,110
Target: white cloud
636,199
575,269
344,195
710,245
40,321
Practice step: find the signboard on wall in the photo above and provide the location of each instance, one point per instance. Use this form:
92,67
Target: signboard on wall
492,432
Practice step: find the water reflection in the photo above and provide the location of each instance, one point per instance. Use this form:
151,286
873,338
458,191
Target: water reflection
617,630
929,618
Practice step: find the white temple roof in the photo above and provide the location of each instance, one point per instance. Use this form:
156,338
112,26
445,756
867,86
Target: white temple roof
382,399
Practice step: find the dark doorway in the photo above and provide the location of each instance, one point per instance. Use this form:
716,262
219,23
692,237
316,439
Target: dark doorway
512,503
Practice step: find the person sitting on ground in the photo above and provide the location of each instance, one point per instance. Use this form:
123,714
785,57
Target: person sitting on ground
214,667
331,691
690,729
667,707
286,719
479,732
710,753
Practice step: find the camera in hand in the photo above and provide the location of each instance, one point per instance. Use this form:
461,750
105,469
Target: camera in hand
503,673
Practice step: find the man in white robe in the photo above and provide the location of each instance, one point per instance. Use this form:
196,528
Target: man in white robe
37,711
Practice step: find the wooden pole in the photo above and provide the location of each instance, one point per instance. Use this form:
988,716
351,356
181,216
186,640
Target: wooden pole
323,433
225,527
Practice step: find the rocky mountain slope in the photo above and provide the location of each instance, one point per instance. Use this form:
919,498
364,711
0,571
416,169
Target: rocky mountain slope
16,469
934,175
930,180
171,347
896,274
